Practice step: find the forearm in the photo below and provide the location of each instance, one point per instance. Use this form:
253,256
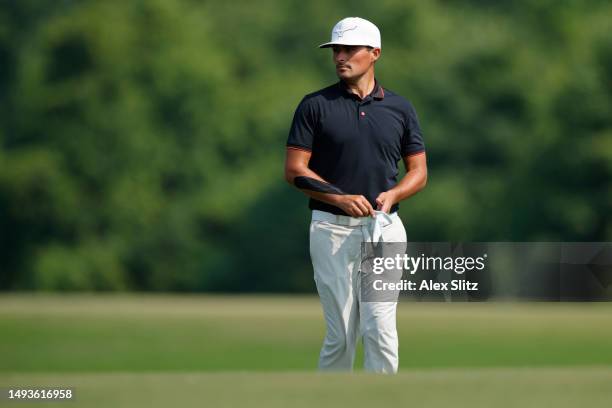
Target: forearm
332,199
413,182
313,185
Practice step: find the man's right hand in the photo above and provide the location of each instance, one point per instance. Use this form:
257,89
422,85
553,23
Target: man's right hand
355,205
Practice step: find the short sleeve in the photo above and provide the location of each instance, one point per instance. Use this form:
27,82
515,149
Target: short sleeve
301,134
412,141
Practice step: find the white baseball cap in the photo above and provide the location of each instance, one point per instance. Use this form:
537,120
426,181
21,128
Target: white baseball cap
354,31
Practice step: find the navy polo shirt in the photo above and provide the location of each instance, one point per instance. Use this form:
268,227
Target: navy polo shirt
356,143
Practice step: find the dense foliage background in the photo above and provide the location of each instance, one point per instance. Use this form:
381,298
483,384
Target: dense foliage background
142,142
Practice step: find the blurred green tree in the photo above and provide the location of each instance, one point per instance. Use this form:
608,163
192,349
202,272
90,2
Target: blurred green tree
142,143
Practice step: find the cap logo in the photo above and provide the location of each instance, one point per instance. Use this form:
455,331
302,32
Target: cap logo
341,30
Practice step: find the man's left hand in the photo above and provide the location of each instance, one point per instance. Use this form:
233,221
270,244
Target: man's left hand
385,201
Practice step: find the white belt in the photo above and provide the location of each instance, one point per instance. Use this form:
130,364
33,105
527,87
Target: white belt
376,224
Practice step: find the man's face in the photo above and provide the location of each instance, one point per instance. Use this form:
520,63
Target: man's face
352,61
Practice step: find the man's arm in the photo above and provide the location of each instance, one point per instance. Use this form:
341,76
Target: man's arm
296,165
413,182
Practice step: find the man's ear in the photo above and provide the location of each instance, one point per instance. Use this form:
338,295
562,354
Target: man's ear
376,53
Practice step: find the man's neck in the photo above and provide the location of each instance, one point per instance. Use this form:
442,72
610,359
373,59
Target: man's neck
362,86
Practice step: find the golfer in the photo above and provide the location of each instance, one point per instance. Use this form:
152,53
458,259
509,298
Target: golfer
343,150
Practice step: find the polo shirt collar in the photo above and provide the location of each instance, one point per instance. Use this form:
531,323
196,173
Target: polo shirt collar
377,92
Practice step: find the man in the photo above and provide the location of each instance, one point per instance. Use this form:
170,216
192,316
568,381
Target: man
343,151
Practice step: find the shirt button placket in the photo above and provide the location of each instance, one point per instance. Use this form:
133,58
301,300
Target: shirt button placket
360,112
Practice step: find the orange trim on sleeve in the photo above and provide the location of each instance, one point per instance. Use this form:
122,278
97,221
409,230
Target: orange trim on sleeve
299,148
415,153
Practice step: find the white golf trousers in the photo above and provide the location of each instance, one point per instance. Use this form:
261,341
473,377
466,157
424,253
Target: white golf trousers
335,250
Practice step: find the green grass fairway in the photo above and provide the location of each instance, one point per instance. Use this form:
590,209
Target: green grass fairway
81,333
218,351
